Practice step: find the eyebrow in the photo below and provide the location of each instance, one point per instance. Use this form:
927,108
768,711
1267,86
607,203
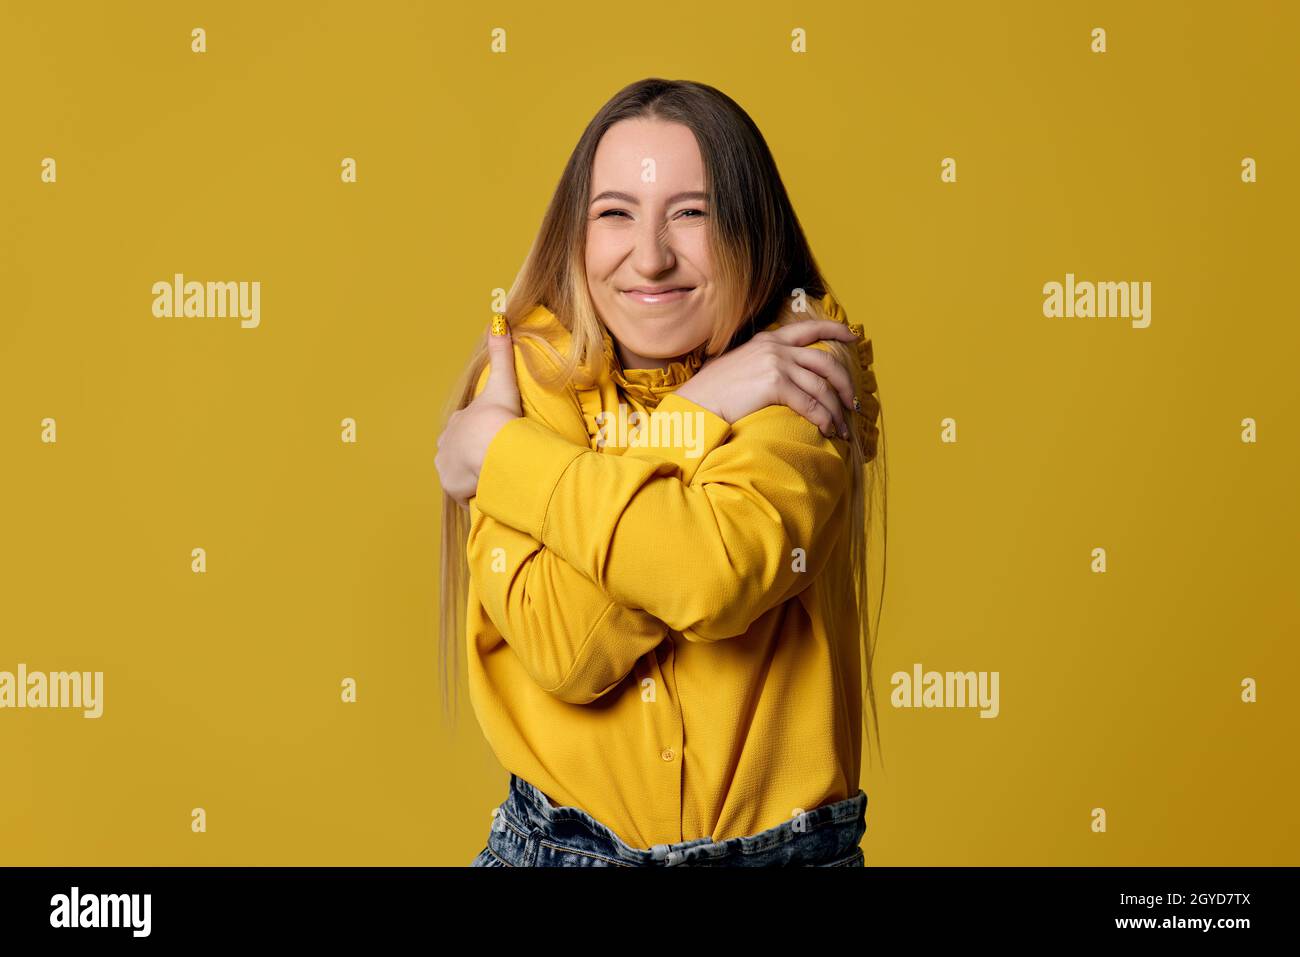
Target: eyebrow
627,198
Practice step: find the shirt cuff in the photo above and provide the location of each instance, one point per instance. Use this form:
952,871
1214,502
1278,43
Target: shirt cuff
523,464
702,431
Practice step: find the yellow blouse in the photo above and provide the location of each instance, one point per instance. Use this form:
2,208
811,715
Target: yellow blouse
646,640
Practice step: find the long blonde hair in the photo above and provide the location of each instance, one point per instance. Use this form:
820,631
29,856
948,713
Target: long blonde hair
761,263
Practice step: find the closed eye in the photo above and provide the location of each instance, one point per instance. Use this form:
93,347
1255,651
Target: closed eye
619,212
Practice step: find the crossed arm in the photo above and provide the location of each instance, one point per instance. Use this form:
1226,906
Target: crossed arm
584,560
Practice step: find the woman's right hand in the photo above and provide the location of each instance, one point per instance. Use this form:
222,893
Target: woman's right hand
776,368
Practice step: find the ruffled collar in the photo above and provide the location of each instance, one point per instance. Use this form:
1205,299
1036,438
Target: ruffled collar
650,385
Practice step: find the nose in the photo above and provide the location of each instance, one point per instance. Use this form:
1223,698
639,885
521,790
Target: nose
653,254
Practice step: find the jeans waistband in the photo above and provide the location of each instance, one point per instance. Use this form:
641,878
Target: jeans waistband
829,830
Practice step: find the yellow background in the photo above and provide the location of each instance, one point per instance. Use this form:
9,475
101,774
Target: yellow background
222,690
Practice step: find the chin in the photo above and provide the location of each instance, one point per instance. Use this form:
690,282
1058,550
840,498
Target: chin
660,335
659,348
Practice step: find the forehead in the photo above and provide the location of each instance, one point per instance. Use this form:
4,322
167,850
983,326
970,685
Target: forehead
631,148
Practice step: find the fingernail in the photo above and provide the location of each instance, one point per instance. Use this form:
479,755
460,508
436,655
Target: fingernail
844,432
857,406
856,330
499,325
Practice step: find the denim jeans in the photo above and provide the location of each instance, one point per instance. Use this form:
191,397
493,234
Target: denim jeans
528,832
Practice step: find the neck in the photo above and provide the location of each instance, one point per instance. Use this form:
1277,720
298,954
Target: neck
631,360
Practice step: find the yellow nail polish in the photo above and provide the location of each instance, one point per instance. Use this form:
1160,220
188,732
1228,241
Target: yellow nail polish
855,329
499,325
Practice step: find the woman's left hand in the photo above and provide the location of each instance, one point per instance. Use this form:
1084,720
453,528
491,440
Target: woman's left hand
463,445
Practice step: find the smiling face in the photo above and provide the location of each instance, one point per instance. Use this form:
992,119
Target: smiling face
647,254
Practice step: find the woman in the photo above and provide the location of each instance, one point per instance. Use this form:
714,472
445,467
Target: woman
664,616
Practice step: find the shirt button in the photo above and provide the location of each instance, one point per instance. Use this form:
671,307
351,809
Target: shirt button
667,754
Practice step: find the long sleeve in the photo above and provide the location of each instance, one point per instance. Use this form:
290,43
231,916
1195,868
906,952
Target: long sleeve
704,545
572,638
